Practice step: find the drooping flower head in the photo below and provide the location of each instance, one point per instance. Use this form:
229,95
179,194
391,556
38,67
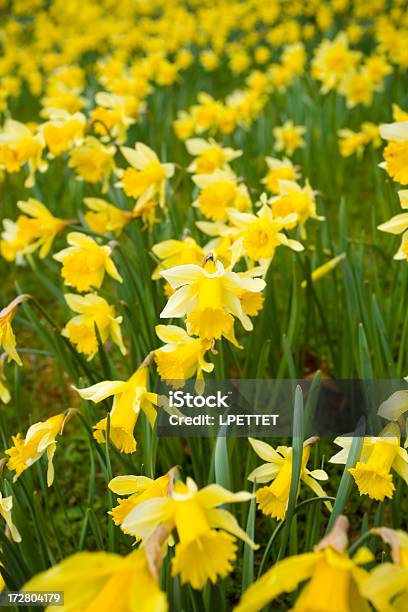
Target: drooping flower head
273,499
39,439
7,338
129,398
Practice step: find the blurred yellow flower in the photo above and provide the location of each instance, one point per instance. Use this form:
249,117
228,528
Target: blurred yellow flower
93,161
145,180
104,217
288,137
103,581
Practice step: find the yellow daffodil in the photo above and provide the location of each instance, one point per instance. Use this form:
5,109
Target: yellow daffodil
335,581
358,88
332,60
37,229
182,356
85,262
379,455
39,439
292,198
138,489
206,547
93,312
18,146
279,170
103,581
6,506
262,233
177,253
7,338
129,398
218,192
146,179
210,156
288,137
387,585
62,131
113,115
273,499
104,217
93,161
396,151
208,295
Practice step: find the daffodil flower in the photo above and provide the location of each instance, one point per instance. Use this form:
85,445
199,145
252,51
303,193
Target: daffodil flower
206,533
103,581
129,397
394,408
18,145
210,155
62,131
387,585
262,233
218,192
289,137
294,199
93,161
138,489
182,356
40,228
208,295
39,439
273,499
279,169
396,151
114,113
104,217
176,253
93,311
6,506
7,338
85,262
372,473
146,179
334,580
